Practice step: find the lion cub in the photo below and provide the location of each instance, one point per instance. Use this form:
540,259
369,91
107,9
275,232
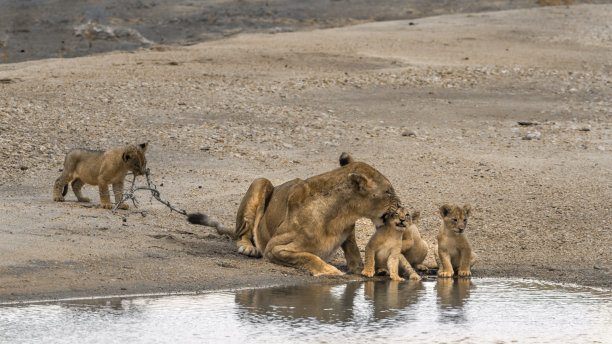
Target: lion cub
454,251
100,168
414,248
384,250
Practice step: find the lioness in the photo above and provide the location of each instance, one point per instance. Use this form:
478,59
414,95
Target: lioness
302,223
414,248
100,168
454,250
384,250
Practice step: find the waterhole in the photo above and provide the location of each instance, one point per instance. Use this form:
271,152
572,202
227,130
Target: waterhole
439,311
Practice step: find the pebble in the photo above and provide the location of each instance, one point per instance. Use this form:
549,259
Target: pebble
408,133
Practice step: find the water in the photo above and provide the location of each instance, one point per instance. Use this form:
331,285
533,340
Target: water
476,311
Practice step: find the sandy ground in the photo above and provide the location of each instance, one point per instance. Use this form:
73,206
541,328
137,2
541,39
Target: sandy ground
433,104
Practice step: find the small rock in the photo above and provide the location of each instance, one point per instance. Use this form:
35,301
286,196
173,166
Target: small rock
408,133
525,123
205,148
531,136
585,129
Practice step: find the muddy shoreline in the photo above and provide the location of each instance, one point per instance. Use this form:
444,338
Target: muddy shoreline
434,104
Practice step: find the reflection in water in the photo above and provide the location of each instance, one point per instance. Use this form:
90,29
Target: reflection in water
452,294
446,310
325,303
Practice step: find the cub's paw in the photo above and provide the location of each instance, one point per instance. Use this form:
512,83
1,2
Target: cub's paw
84,199
107,205
355,269
414,276
445,274
368,272
395,277
58,198
250,251
328,270
465,273
382,272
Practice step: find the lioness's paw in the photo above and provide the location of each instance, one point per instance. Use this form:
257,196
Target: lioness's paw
465,273
414,276
250,251
445,274
367,272
58,198
422,267
328,270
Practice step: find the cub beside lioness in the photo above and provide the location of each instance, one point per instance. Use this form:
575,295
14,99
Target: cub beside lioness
383,252
100,168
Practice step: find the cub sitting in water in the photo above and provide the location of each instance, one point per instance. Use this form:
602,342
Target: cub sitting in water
384,250
100,168
454,251
414,248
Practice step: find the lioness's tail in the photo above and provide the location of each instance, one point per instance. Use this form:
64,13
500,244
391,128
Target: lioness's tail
204,220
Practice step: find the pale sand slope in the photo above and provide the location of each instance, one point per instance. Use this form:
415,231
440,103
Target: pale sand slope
219,114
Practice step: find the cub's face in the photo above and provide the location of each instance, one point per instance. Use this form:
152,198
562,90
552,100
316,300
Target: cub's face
400,219
134,157
455,218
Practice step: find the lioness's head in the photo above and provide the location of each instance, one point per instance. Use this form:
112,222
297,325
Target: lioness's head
373,193
134,157
399,219
454,217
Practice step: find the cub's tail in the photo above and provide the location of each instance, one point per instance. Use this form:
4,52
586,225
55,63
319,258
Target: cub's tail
204,220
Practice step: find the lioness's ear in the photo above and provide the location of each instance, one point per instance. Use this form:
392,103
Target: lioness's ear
345,159
415,215
467,209
360,182
445,209
125,157
144,146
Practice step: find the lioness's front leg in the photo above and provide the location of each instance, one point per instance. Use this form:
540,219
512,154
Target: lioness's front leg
445,266
370,262
118,191
291,256
351,254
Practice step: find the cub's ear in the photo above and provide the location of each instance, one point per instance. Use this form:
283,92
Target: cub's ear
125,157
359,182
386,216
467,209
445,209
415,215
345,159
144,146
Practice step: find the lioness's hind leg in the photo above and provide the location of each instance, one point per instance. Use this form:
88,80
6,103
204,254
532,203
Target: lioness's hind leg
77,185
290,256
249,215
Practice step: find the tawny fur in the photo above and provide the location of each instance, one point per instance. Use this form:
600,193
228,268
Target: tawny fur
414,248
454,251
100,168
302,223
384,250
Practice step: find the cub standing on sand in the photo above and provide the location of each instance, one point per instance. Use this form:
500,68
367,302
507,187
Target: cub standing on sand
100,168
414,248
454,251
383,251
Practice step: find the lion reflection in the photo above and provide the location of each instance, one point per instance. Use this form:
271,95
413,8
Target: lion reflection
328,303
452,295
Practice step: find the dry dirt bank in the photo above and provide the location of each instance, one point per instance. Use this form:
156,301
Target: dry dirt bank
434,106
